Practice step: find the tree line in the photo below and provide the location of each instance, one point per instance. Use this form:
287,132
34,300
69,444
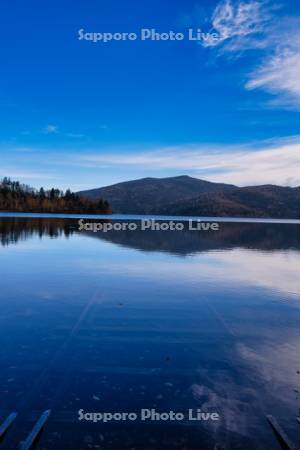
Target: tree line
15,196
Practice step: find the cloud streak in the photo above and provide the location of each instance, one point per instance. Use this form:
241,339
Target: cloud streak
279,73
254,25
241,166
236,22
272,162
50,129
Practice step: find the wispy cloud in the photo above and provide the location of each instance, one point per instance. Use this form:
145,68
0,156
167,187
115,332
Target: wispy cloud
239,165
24,175
74,135
50,129
237,24
254,25
54,130
271,162
279,73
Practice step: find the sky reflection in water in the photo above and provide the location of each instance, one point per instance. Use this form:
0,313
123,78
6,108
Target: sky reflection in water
164,320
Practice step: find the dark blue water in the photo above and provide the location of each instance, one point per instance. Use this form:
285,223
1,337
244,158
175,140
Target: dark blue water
124,321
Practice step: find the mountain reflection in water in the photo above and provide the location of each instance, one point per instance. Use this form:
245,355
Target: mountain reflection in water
230,235
120,321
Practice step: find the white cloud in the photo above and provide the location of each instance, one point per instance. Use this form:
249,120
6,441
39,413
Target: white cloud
236,22
74,135
248,25
239,165
273,162
24,175
50,129
280,74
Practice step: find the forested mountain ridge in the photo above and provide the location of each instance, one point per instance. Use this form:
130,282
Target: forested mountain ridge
268,201
151,195
187,196
167,196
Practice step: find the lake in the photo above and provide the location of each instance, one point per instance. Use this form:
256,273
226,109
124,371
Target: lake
125,321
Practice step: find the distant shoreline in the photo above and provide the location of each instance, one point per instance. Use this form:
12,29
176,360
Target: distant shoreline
4,214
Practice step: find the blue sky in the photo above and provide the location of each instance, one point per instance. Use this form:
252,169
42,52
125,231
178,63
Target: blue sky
80,114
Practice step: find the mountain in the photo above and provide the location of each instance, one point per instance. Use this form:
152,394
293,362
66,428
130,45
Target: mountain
256,201
185,195
151,195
